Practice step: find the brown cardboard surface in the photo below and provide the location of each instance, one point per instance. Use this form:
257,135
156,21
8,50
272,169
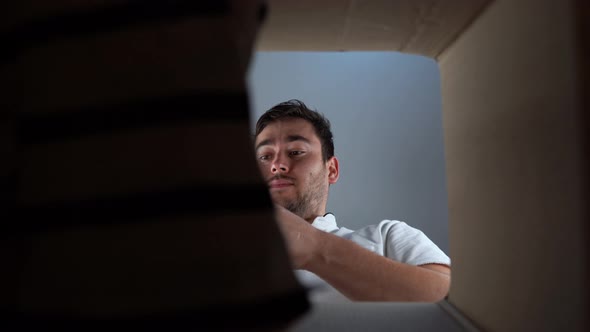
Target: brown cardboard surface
514,80
421,27
515,168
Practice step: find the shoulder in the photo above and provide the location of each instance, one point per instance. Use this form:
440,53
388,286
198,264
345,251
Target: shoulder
410,245
388,228
373,237
394,229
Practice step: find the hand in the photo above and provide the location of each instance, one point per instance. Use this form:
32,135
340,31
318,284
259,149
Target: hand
301,238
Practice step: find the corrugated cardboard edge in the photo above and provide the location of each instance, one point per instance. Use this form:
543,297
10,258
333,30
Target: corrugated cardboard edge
582,17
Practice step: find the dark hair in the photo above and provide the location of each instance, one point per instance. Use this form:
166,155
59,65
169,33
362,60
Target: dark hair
296,109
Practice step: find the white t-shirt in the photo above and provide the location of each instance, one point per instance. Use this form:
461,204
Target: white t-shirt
390,238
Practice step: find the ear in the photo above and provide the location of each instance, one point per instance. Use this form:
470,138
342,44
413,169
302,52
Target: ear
333,170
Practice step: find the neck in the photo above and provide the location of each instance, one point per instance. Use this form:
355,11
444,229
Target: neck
310,217
307,212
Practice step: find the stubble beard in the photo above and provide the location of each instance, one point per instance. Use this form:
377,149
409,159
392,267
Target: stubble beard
307,204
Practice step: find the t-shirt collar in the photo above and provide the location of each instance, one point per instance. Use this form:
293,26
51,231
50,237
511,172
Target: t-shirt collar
327,223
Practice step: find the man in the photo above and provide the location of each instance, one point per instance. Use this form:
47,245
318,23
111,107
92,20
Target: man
390,261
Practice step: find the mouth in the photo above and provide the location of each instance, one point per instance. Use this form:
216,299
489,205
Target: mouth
280,184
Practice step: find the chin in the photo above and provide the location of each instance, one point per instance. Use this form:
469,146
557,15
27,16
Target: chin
286,203
281,203
281,197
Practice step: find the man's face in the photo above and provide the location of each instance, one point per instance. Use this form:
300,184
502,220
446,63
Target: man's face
289,155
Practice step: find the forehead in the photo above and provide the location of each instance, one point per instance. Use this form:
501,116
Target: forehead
281,130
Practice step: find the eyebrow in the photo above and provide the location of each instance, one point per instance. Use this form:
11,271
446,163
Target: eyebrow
293,138
290,138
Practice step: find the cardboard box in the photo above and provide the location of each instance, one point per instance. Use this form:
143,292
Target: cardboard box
515,87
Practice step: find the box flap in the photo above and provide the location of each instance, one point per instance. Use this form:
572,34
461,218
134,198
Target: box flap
420,27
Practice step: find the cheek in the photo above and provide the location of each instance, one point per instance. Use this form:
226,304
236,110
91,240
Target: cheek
263,170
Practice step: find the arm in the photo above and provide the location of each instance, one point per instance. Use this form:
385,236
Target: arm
356,272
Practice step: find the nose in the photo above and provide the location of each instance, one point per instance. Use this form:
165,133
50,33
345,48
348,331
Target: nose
279,165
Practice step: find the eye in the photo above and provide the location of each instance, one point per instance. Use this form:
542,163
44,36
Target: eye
296,153
264,157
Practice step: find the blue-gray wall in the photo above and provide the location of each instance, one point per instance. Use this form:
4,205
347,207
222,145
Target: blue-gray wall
385,110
